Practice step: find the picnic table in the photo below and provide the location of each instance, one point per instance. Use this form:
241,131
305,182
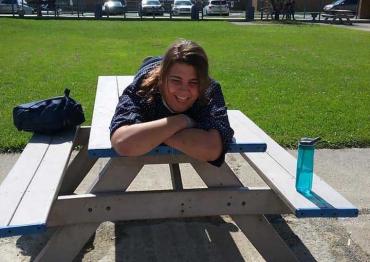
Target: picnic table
39,192
340,15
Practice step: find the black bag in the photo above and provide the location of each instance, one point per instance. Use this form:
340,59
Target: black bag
49,116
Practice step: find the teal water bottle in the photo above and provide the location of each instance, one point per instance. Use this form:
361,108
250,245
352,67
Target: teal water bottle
304,174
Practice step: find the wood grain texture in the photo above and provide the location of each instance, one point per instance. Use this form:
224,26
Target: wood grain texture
278,168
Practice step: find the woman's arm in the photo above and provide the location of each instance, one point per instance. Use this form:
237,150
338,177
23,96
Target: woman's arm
138,139
197,143
213,119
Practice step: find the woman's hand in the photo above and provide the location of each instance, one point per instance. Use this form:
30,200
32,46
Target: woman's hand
197,143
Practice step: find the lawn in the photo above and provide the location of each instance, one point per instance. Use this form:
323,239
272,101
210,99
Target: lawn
292,80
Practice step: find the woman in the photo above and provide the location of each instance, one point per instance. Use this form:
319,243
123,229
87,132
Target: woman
172,100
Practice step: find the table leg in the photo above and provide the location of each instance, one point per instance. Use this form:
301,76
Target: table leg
67,241
256,227
76,171
80,165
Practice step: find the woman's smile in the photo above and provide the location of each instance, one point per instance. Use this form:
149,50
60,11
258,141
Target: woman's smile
181,88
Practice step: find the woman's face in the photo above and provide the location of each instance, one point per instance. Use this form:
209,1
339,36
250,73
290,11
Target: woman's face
181,88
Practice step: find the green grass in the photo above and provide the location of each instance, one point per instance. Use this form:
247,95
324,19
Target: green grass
292,80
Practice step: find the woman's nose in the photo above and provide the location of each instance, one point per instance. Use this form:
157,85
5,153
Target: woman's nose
184,86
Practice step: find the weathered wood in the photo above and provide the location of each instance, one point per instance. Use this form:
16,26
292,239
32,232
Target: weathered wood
121,206
114,177
268,249
82,136
80,165
277,168
76,171
37,200
33,183
123,82
16,182
65,243
264,237
244,140
216,176
105,104
158,159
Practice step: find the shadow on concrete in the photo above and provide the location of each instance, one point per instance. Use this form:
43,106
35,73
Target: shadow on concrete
290,238
31,245
190,239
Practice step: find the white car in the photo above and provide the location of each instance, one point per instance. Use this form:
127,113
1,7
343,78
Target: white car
182,7
149,7
217,7
8,6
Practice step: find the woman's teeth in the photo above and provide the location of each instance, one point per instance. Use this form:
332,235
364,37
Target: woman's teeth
181,99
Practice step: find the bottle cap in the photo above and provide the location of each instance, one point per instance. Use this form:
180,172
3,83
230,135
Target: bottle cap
307,141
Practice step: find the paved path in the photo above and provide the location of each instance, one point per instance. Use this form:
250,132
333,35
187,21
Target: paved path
354,26
212,239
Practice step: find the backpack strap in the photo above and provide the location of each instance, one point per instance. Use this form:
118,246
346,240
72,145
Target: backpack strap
66,92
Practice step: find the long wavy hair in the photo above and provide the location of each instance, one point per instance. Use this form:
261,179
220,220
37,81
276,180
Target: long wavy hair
182,51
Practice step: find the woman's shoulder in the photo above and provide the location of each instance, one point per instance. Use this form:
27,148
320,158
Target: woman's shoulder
214,84
213,89
150,60
147,65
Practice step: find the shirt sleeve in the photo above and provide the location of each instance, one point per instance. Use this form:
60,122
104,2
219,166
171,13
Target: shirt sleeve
128,110
214,116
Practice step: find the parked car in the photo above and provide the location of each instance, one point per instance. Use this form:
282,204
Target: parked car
112,7
182,7
217,7
342,5
149,7
8,6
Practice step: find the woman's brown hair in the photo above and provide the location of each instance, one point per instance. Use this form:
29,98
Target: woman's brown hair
182,51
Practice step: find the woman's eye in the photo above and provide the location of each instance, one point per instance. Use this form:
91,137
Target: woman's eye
176,81
193,84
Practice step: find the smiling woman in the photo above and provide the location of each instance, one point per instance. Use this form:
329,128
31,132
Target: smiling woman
172,100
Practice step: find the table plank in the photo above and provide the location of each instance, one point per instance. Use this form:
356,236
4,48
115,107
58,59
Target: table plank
277,168
110,88
37,201
45,158
160,204
16,182
105,104
123,82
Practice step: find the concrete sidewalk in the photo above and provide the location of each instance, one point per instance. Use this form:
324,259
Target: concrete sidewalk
216,239
355,26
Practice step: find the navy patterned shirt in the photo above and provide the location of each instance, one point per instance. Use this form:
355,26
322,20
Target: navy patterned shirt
132,109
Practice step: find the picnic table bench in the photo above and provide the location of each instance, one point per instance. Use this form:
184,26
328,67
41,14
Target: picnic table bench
38,193
340,15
